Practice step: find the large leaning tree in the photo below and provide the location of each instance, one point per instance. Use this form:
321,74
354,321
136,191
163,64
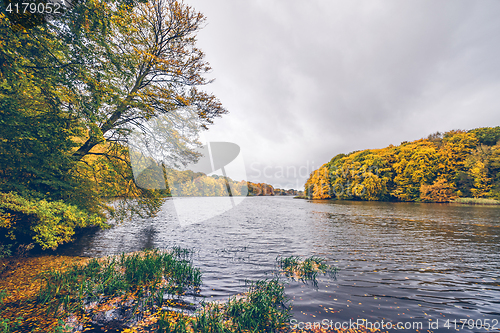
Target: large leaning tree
72,88
147,65
142,64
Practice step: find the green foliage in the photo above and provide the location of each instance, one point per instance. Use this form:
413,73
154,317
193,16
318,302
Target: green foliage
36,132
306,269
48,223
264,308
143,273
493,167
8,326
487,135
3,295
5,249
179,326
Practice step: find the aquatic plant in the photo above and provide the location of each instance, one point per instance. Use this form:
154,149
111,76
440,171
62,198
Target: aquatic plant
305,270
262,309
145,275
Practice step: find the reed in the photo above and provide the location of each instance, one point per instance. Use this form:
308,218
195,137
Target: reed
150,272
476,201
305,269
149,275
263,308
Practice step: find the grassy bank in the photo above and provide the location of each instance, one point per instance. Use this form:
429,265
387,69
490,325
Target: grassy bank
463,201
476,201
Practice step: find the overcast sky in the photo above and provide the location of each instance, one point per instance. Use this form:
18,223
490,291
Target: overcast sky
306,80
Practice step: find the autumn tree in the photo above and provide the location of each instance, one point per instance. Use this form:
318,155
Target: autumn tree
73,89
453,155
148,66
493,164
318,184
417,163
477,171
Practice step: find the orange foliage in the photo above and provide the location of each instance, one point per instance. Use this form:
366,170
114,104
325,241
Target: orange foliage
439,191
19,280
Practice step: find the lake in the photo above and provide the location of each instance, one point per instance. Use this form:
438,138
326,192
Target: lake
407,263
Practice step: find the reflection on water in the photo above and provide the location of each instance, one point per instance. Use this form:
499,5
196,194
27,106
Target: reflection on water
399,261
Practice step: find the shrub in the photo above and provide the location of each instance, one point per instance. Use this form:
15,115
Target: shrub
48,224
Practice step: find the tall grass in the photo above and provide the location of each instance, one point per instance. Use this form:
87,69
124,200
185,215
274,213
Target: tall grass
148,273
476,201
264,308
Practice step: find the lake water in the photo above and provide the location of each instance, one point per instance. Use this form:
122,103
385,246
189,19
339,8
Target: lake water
406,263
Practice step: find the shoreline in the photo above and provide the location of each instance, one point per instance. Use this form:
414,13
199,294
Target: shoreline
459,201
134,310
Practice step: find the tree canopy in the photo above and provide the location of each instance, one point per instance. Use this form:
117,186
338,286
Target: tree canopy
438,168
73,88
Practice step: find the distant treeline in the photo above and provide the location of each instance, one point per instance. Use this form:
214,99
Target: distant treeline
259,189
439,168
197,184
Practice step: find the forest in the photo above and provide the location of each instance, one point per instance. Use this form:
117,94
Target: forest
440,168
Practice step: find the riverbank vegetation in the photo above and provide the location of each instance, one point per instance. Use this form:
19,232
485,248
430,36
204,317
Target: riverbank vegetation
440,168
305,269
476,201
140,292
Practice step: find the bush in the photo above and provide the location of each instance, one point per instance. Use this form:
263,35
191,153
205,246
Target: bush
48,224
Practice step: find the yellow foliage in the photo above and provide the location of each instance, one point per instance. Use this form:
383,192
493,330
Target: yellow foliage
482,183
453,163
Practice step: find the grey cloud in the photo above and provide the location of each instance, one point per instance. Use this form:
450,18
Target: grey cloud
304,81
